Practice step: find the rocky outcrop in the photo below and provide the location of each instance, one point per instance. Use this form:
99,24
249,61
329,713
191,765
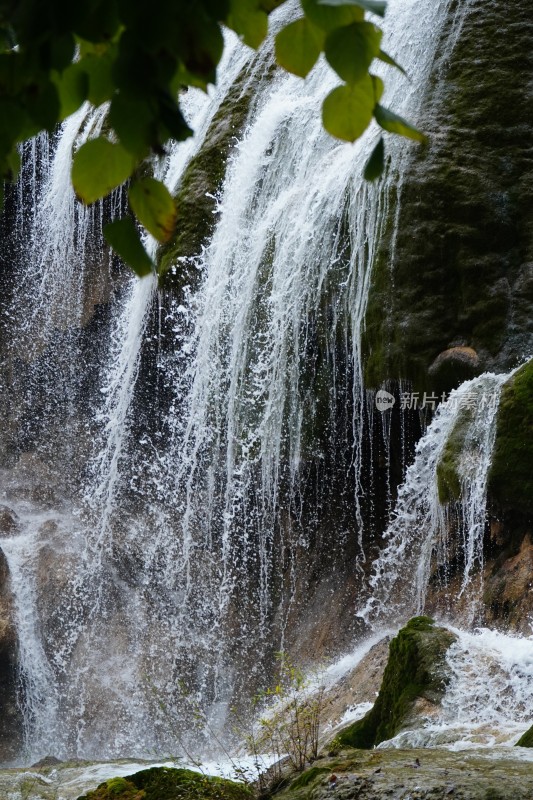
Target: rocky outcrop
457,270
413,775
202,179
415,675
511,477
526,740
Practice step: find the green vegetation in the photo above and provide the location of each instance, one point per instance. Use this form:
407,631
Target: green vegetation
55,56
448,478
526,740
511,477
308,777
414,669
165,783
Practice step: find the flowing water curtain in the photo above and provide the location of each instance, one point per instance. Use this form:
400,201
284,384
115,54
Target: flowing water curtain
131,618
288,265
431,526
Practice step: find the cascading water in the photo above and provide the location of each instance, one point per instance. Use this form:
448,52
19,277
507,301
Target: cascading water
419,531
489,700
183,547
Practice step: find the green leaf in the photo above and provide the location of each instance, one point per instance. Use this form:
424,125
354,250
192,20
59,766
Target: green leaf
329,18
42,104
374,6
153,205
124,238
133,122
376,163
351,49
347,110
391,122
72,86
298,47
98,70
98,167
383,56
248,19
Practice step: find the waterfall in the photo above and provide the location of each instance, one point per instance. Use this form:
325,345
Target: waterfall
418,536
156,568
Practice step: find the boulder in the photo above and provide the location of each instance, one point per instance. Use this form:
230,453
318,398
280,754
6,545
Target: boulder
10,715
166,783
415,676
9,524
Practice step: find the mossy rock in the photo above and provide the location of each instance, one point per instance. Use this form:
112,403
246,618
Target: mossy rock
511,476
415,669
526,740
448,474
165,783
308,777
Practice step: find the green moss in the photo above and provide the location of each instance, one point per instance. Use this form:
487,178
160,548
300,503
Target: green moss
527,739
448,478
165,783
309,776
414,669
511,476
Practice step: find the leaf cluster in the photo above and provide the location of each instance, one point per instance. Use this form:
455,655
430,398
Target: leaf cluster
138,57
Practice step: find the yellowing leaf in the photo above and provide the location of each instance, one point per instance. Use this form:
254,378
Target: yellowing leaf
347,110
98,167
298,46
153,205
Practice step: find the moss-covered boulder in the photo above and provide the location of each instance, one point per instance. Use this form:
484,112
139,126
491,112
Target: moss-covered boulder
415,670
166,783
511,476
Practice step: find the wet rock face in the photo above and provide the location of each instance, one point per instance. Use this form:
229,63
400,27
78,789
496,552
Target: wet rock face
508,589
462,274
10,717
510,478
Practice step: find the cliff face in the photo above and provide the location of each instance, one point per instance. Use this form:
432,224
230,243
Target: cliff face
458,269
